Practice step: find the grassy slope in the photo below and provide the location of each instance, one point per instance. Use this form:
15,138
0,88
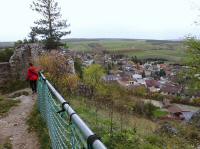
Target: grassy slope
101,125
145,136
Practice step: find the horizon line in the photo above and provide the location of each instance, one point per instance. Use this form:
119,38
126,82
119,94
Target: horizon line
108,38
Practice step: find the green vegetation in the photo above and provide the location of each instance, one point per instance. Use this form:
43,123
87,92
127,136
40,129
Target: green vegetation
170,55
6,105
6,144
12,86
158,113
5,54
78,67
115,114
81,47
37,125
174,51
194,62
92,75
132,131
144,109
123,132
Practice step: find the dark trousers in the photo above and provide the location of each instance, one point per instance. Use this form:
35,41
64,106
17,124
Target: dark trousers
33,85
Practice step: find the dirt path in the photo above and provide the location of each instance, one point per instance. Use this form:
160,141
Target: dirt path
14,125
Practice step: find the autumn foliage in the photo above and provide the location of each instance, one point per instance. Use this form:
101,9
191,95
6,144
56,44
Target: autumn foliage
58,70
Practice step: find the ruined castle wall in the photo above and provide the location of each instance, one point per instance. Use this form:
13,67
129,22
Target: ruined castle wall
18,64
21,58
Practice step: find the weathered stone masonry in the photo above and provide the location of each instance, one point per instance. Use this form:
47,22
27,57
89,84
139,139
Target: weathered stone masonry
21,58
17,66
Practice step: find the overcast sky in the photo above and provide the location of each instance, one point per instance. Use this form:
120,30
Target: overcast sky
152,19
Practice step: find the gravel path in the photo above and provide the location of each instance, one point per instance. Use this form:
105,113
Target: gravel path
14,125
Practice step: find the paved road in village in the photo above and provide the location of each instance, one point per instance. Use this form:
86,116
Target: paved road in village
183,107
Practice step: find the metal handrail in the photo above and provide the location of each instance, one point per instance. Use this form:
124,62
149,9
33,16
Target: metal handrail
85,130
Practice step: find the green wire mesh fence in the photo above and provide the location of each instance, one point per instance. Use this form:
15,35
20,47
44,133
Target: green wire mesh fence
66,129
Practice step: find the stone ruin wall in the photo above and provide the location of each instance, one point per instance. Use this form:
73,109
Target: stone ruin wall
21,58
18,64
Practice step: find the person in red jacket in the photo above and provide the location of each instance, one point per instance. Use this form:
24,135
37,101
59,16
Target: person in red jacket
32,76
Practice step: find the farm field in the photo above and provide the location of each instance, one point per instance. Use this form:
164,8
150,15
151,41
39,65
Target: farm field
173,51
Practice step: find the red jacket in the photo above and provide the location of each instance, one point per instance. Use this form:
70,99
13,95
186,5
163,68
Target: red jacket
32,74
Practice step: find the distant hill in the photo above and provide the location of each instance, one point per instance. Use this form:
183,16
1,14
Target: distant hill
120,39
171,50
6,44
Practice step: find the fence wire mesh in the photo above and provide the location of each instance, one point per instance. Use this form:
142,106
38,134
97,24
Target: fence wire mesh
63,133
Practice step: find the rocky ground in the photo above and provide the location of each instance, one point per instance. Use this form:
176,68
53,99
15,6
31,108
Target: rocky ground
14,127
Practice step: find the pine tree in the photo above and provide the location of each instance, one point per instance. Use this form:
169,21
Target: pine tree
32,36
50,27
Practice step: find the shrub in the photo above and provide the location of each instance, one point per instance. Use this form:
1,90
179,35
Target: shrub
54,63
148,146
155,140
13,85
6,54
149,109
196,101
140,91
177,99
156,96
146,109
58,71
120,139
68,82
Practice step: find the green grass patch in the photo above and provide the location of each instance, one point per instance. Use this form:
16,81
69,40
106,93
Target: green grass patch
13,85
158,113
143,49
82,46
6,144
6,105
176,55
36,124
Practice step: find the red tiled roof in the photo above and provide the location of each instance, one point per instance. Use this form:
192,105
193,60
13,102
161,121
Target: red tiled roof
151,83
174,109
169,88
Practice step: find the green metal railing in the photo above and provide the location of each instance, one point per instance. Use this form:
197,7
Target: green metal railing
66,129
